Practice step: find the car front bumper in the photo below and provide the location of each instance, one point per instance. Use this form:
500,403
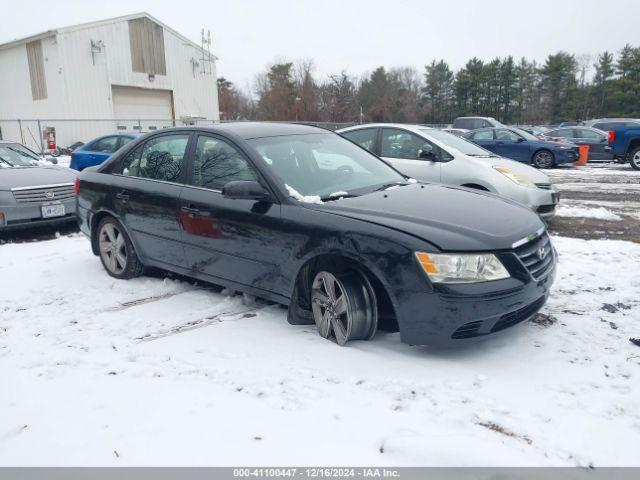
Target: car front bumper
29,215
566,156
542,200
466,312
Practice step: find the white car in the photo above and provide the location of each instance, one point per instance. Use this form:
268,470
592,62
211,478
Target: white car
432,155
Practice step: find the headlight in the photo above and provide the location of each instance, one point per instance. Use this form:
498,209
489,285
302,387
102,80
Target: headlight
566,147
461,267
515,176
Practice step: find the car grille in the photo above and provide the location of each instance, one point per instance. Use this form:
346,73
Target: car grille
518,316
468,330
542,209
41,194
537,256
544,186
472,329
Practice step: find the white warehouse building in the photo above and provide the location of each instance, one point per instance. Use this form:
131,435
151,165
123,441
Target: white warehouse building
130,73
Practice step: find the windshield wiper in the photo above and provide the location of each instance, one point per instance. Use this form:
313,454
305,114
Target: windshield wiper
389,185
7,162
337,196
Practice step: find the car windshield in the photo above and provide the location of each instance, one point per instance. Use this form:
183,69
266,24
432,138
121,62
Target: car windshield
460,144
324,164
525,135
16,156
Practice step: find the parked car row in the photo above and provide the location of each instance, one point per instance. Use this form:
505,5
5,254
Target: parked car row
305,217
607,138
432,155
98,150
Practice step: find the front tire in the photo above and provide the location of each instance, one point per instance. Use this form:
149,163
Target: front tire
344,306
543,159
634,158
116,251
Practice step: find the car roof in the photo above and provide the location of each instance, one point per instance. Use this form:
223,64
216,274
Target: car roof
248,130
406,126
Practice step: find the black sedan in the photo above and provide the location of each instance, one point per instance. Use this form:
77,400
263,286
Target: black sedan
598,141
301,216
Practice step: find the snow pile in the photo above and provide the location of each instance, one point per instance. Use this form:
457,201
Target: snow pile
99,371
303,198
585,212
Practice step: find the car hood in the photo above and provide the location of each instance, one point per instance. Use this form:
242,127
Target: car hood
451,218
17,177
532,173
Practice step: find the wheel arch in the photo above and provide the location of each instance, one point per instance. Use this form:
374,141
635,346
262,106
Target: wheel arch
477,186
386,303
95,220
633,144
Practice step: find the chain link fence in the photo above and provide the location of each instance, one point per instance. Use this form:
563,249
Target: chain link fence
36,133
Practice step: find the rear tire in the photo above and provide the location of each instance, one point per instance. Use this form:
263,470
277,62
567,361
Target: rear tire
634,158
543,159
344,306
116,251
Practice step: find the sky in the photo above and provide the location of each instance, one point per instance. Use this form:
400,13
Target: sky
357,35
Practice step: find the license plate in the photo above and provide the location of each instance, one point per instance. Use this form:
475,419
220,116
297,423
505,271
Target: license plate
49,211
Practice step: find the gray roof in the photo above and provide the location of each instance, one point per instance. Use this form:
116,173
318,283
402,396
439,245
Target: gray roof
249,130
82,26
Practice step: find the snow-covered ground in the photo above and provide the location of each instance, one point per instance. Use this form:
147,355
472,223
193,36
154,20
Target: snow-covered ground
581,211
96,371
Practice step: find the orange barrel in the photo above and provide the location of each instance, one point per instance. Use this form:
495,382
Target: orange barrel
584,155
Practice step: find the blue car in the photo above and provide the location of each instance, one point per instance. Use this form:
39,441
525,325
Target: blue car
519,145
98,150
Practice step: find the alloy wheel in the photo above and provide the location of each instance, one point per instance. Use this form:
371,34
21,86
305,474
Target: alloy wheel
343,306
635,159
543,160
113,248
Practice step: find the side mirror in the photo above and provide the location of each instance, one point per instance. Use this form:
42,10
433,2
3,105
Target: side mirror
520,140
427,155
245,190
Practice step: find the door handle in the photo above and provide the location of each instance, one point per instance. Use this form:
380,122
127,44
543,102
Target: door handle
191,210
123,195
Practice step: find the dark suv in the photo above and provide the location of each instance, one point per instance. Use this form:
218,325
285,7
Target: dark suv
301,216
473,123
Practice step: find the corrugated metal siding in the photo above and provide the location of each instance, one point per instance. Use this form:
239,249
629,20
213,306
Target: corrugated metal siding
36,70
146,40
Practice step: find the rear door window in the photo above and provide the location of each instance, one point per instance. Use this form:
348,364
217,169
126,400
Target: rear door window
160,158
563,133
584,133
105,145
464,123
483,135
365,137
507,135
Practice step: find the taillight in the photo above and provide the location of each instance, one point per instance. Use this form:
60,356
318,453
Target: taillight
76,186
612,136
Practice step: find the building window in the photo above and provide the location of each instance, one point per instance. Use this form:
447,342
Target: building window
146,40
36,70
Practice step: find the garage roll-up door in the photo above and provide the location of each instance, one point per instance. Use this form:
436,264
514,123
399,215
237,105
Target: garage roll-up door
141,103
